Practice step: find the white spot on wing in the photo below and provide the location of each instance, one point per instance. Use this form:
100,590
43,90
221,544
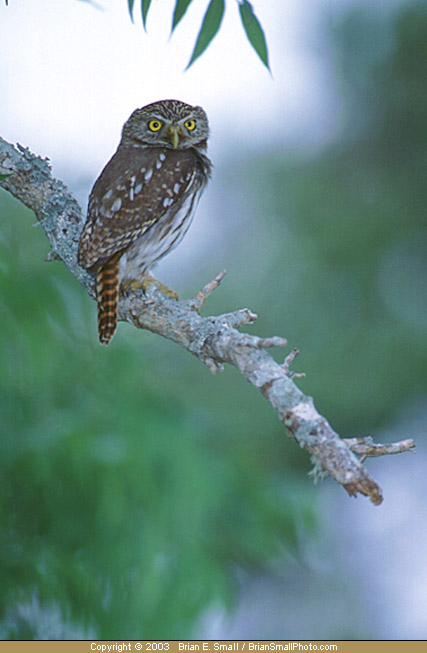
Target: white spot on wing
176,188
105,212
148,174
108,194
116,204
171,228
138,189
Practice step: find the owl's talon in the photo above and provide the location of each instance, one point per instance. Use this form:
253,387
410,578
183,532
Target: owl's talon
144,284
162,287
130,285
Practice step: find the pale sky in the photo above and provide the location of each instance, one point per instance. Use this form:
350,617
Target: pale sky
71,74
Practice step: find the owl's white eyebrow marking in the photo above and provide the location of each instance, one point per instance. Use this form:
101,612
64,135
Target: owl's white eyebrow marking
116,204
138,189
148,174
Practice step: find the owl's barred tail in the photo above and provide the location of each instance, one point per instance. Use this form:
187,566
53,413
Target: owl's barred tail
107,294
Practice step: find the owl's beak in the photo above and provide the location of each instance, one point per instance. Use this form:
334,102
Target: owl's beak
173,135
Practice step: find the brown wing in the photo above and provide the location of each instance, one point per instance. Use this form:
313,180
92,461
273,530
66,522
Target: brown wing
136,187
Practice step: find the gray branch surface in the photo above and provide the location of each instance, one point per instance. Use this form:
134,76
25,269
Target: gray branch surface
215,340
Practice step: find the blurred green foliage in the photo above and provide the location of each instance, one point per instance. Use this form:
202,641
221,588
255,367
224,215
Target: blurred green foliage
340,235
133,484
117,502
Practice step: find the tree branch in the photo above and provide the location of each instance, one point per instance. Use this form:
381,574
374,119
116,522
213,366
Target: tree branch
215,340
366,447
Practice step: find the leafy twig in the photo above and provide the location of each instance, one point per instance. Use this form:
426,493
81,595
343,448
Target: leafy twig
211,23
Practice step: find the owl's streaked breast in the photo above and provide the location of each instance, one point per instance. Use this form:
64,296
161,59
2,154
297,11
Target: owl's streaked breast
164,235
137,197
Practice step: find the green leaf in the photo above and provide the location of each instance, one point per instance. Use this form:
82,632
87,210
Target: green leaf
145,6
179,11
130,7
254,31
210,26
5,176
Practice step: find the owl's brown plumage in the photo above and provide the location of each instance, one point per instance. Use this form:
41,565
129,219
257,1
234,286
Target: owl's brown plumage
142,203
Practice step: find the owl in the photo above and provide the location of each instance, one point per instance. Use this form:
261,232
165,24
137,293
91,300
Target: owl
142,204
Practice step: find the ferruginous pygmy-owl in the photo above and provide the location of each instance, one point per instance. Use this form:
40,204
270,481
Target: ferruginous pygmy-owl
142,203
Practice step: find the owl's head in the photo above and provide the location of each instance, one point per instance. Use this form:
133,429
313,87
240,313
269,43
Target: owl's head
168,123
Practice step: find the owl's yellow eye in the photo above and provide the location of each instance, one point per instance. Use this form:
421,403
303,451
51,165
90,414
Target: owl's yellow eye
154,125
190,124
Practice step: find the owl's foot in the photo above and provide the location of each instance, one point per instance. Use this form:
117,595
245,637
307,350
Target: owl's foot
147,281
144,284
